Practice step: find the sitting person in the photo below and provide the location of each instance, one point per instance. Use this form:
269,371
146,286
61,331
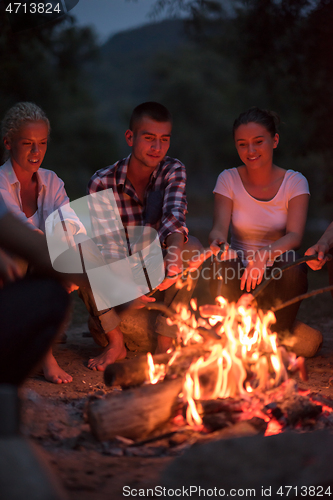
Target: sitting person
322,248
149,190
32,193
265,208
42,303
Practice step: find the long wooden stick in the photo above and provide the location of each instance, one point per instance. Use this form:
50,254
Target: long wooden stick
301,297
289,265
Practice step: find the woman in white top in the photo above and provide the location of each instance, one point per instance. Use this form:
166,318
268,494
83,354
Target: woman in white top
265,208
30,192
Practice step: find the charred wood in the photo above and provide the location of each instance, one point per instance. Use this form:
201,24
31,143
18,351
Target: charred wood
216,421
135,372
134,413
132,372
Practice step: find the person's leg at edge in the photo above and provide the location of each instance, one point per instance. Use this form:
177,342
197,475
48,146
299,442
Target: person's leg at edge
104,327
329,267
173,296
51,370
43,306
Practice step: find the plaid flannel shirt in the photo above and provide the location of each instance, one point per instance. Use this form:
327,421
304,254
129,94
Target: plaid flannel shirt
169,178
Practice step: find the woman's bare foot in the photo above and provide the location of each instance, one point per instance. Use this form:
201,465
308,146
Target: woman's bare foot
113,351
52,371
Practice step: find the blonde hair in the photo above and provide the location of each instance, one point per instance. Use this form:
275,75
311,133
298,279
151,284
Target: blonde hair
17,116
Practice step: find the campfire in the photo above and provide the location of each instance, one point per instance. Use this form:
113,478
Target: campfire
242,360
228,368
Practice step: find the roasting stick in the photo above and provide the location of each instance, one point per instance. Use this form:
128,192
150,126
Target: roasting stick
306,258
192,266
302,297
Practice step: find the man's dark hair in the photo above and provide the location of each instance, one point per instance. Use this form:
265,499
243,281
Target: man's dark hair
153,110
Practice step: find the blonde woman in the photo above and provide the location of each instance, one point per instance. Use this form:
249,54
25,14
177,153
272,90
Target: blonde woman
30,192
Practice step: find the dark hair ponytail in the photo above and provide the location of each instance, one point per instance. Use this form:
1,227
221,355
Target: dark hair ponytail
268,119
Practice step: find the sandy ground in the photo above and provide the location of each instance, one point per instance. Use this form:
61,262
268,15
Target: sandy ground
54,416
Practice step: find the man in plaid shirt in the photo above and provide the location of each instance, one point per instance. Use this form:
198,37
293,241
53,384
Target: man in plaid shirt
149,190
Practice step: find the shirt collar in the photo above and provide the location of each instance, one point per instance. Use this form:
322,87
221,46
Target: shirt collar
10,172
122,170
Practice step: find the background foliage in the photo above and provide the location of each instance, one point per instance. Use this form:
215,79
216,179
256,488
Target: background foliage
226,57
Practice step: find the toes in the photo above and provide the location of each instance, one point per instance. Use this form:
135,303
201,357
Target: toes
59,379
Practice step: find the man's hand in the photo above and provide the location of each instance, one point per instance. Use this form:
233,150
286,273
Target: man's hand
168,281
70,286
9,269
173,264
142,301
322,250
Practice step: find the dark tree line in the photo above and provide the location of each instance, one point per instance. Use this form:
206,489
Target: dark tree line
272,53
47,65
276,54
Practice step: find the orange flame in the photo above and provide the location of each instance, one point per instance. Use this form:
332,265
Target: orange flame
244,361
155,372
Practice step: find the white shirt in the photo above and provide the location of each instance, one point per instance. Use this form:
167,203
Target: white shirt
3,209
255,223
51,196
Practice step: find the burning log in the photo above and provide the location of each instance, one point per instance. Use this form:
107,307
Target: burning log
136,371
231,405
299,408
216,421
134,413
132,372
